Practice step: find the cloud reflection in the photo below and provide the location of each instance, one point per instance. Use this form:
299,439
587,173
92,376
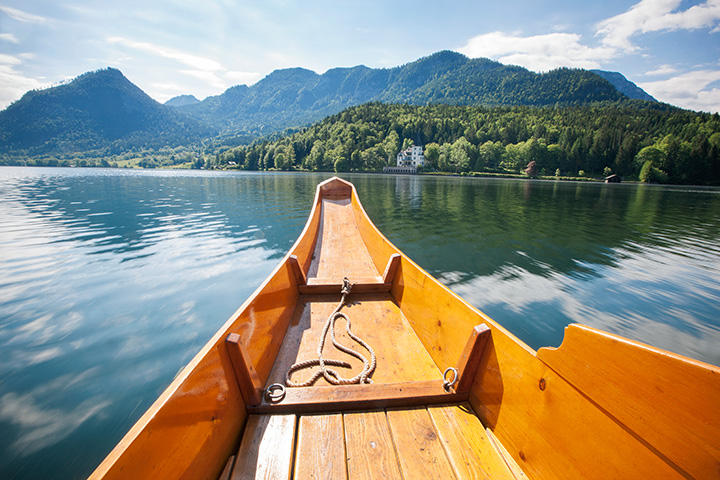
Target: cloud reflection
631,299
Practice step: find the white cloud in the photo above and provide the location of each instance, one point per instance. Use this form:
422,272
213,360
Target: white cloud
662,70
21,16
40,426
209,78
14,84
654,16
246,78
9,37
193,61
693,90
538,52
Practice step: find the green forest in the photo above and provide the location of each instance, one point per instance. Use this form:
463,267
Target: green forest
633,139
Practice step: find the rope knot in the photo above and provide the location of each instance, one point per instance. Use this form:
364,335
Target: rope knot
346,286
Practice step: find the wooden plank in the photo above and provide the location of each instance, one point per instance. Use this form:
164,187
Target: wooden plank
669,401
419,451
297,270
340,250
320,451
369,446
470,358
391,268
510,462
376,319
320,286
247,377
266,451
227,471
466,443
359,397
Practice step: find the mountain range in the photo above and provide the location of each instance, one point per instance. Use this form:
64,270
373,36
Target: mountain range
104,111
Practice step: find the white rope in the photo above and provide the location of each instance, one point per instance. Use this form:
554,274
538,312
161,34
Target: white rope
329,374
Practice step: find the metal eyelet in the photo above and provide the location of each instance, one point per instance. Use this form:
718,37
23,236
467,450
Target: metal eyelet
272,395
447,384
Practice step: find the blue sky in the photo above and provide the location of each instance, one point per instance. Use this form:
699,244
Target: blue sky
671,48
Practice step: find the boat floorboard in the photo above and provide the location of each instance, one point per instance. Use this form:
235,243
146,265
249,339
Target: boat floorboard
340,250
376,319
437,442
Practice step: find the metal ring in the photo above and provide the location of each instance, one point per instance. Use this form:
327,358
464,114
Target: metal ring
447,384
270,395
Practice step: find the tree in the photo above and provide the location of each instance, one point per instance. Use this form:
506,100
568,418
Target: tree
460,155
650,174
432,154
342,165
649,154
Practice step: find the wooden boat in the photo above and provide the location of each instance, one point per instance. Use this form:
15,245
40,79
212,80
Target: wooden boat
599,406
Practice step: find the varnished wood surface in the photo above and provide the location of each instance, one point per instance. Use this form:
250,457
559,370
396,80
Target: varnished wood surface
443,442
419,450
551,416
267,448
376,319
355,397
340,250
470,451
647,389
320,448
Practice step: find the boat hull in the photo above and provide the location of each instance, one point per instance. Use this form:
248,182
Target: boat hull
599,406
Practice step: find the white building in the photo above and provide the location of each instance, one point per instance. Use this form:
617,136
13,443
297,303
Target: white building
411,157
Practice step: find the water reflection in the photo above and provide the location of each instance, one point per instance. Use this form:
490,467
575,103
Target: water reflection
640,261
110,281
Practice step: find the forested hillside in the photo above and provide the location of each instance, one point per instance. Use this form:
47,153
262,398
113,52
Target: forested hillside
99,111
297,96
102,117
632,139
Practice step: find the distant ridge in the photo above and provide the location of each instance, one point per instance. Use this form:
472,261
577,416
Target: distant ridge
104,110
297,96
96,110
625,86
181,101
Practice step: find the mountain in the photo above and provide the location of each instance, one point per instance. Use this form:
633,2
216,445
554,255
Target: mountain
297,96
103,111
182,100
625,86
96,110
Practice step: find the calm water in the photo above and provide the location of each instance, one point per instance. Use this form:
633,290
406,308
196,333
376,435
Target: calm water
111,280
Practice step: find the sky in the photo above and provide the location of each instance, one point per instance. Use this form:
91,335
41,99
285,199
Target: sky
670,48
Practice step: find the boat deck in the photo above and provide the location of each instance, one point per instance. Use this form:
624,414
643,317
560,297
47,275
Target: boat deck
411,440
374,317
435,442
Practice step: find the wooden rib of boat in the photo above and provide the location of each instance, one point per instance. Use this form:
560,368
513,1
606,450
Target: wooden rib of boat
599,406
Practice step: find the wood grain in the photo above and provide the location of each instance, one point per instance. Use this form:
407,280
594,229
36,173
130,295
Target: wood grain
320,451
672,403
467,445
356,397
419,450
374,318
267,448
369,445
471,356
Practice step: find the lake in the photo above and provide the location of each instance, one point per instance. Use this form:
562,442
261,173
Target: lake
112,280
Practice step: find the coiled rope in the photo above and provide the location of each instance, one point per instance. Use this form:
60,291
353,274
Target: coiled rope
331,375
